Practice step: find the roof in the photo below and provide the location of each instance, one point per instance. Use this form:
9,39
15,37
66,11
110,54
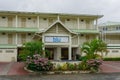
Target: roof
58,21
109,23
18,29
92,31
64,14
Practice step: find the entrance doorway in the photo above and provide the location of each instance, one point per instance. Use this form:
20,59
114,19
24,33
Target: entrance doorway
19,51
74,53
64,53
51,53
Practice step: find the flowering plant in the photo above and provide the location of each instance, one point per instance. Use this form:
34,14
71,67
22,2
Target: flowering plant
94,64
37,63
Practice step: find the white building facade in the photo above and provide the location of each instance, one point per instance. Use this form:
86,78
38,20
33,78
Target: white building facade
110,33
62,34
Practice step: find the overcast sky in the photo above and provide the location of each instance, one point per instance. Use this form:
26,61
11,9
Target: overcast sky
109,8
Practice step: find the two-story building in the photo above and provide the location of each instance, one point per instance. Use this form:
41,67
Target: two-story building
62,34
110,33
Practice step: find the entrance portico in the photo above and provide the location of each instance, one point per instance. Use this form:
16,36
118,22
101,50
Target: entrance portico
59,39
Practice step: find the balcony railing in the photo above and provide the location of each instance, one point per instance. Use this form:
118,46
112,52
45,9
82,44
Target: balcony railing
18,29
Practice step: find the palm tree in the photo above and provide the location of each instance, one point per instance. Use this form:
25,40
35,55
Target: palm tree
93,47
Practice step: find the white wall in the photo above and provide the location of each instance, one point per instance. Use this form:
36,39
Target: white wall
72,23
8,55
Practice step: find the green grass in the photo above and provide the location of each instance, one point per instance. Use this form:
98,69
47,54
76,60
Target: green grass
112,59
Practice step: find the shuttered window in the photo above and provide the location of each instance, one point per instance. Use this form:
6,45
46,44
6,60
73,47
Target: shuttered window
10,38
23,22
23,38
10,21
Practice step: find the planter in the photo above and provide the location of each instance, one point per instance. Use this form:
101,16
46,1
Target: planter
56,72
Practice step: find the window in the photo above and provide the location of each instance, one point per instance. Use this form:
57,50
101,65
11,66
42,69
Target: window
10,38
23,38
3,33
9,51
115,51
3,17
68,19
82,35
117,28
82,20
10,20
105,29
29,18
23,22
44,18
29,34
0,51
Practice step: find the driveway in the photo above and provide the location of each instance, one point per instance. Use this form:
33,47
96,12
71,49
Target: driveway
16,68
100,76
110,67
13,68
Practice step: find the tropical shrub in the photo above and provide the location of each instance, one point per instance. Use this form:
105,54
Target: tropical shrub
94,64
90,60
71,66
31,48
83,66
93,47
37,63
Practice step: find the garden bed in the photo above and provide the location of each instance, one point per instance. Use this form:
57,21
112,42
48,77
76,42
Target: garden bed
56,72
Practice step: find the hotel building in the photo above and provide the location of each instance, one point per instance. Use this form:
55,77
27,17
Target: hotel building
110,33
62,34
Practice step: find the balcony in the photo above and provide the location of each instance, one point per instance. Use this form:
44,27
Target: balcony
86,31
18,29
8,46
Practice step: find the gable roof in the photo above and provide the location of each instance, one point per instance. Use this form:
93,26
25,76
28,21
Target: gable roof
56,22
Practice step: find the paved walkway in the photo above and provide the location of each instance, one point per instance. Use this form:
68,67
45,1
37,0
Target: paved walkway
110,67
13,68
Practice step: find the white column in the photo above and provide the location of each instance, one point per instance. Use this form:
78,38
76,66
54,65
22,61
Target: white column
69,49
16,38
78,22
96,24
44,44
97,37
58,56
16,21
16,25
70,54
55,53
38,20
78,49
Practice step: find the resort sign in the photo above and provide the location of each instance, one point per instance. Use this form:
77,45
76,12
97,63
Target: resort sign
56,39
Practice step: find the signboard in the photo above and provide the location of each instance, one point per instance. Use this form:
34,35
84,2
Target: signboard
56,39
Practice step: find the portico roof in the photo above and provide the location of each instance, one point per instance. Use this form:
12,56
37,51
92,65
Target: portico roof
58,21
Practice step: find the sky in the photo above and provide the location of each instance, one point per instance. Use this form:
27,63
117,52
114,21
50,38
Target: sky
109,8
